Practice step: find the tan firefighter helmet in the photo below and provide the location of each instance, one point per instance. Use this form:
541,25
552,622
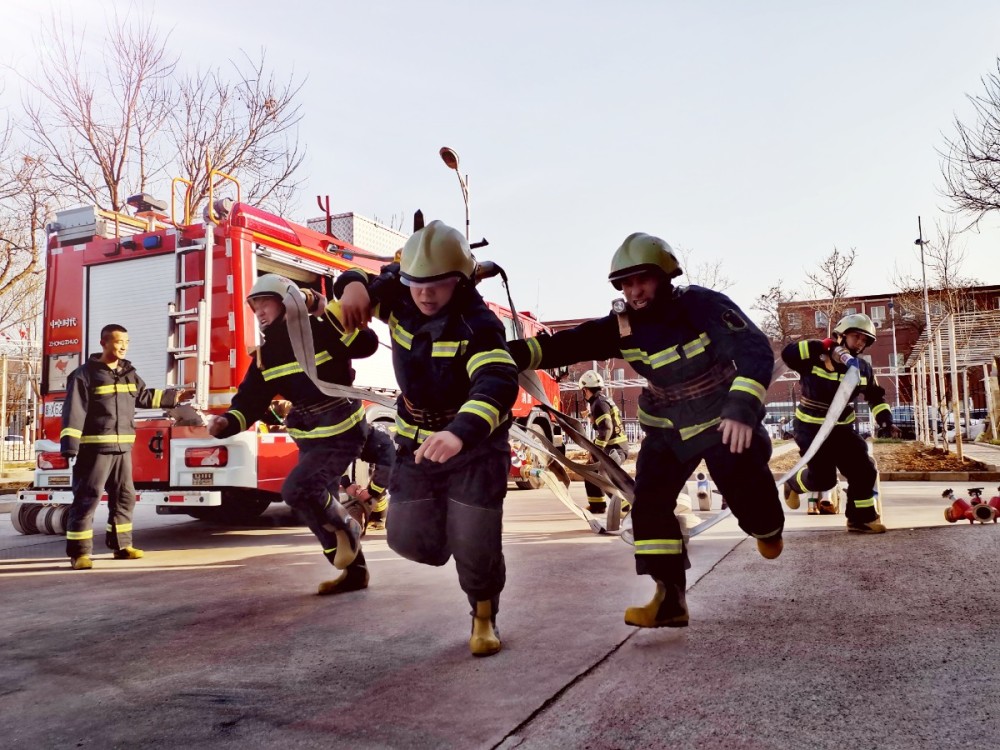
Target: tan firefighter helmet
858,322
591,379
270,285
435,252
642,252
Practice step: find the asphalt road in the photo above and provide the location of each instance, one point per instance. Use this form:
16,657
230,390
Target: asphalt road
216,639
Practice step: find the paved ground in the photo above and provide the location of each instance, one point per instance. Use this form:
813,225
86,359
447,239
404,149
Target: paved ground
215,640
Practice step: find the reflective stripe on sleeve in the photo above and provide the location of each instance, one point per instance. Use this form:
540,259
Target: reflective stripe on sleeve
491,357
749,386
535,350
482,409
70,432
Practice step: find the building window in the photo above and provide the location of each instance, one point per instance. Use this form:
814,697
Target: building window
896,362
877,312
794,321
996,303
850,311
822,319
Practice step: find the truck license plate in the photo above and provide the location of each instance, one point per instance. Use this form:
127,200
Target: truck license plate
202,478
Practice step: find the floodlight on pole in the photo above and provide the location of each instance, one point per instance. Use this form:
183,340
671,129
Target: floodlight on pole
450,157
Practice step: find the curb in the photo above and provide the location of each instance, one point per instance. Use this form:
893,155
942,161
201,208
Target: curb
932,476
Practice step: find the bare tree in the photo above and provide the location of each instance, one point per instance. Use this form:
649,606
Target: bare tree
971,159
707,274
775,322
829,283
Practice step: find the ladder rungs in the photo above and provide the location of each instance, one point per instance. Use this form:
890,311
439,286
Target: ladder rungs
180,250
181,349
186,319
182,313
189,284
184,355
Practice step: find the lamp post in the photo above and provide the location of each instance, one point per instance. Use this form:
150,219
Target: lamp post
450,158
930,342
895,356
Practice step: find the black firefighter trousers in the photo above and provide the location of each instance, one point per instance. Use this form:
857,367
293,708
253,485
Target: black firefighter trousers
843,449
744,480
454,508
93,474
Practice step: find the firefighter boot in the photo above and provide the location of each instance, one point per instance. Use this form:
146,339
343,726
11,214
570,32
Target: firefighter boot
347,531
485,640
354,578
81,563
667,609
597,506
791,496
771,547
128,553
870,527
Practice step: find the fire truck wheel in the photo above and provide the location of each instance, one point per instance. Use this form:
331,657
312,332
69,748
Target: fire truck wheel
23,518
537,460
237,509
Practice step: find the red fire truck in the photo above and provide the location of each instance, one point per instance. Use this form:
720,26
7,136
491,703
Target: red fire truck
149,272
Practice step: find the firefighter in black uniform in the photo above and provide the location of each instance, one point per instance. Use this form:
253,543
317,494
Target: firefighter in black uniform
707,369
329,432
458,384
609,433
821,364
98,428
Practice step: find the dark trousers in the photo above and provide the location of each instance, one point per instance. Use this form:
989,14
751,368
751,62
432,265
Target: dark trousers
843,449
744,480
93,474
322,462
594,493
380,452
454,508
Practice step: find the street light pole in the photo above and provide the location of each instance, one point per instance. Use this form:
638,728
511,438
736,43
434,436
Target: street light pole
450,158
895,360
936,411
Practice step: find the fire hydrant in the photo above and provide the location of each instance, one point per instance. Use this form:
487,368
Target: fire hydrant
973,511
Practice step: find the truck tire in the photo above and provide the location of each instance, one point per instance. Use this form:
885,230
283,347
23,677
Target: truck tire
537,459
239,508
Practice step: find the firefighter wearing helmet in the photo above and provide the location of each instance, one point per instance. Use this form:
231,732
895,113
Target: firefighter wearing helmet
458,383
609,433
822,364
707,369
330,433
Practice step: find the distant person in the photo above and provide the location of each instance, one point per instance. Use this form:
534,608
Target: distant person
98,428
822,365
609,433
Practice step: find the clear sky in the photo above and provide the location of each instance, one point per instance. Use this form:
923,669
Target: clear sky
757,134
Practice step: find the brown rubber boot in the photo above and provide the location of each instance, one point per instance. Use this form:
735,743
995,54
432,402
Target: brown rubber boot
770,548
791,496
354,578
484,640
872,527
667,609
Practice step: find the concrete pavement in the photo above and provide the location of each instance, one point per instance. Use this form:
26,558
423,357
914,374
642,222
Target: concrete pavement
215,640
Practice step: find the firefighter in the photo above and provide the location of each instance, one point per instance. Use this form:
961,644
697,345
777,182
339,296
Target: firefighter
821,365
330,432
609,434
458,384
707,369
98,428
375,494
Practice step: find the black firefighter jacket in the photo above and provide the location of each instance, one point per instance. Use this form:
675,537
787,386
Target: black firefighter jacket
810,358
690,333
275,371
99,409
453,368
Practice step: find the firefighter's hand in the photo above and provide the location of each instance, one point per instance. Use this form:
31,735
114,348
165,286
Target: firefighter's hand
216,425
736,435
358,492
356,306
439,447
184,394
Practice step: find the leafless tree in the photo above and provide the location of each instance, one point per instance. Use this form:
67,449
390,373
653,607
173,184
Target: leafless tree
971,158
707,274
775,322
829,283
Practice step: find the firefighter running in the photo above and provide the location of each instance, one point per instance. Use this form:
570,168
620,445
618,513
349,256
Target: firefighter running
330,432
821,364
98,428
609,434
458,384
708,368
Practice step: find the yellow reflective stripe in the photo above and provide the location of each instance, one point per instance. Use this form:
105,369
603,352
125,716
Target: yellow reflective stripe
330,430
693,348
635,355
654,421
862,382
618,440
491,357
329,551
600,443
239,418
70,432
866,503
820,372
876,410
804,350
372,487
120,528
106,439
482,409
801,415
697,429
157,397
602,418
659,546
447,348
749,386
289,368
103,390
322,357
399,334
348,338
798,480
666,357
535,352
77,535
410,431
380,505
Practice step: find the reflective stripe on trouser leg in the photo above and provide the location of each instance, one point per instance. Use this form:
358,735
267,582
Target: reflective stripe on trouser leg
746,482
859,470
660,476
121,503
416,529
90,473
